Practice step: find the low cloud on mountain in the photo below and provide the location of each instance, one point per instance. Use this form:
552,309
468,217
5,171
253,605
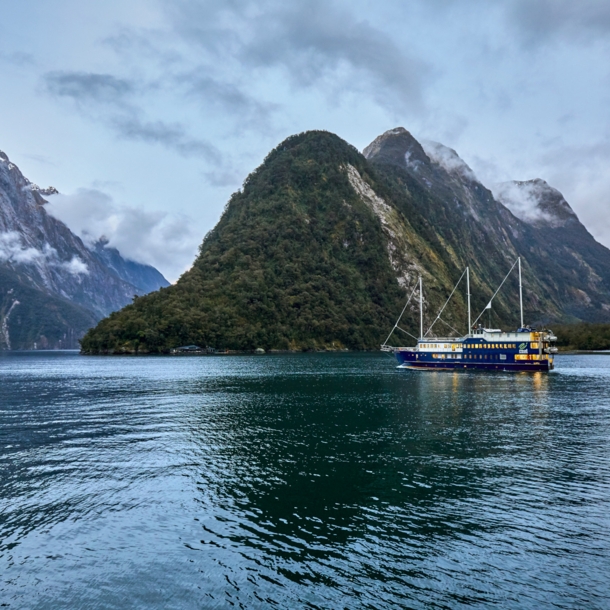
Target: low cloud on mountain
156,238
14,250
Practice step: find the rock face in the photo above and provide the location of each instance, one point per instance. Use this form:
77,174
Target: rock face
39,253
323,244
567,273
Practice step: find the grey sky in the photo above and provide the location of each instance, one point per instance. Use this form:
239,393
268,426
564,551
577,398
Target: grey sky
151,112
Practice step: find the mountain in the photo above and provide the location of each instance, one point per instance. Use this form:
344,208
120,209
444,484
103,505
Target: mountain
46,268
322,245
144,277
567,273
573,266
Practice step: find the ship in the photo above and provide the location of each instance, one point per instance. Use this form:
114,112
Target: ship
489,349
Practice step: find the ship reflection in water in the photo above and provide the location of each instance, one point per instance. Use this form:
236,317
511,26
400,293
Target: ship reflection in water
309,480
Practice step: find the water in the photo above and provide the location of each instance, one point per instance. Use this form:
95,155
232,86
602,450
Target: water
301,481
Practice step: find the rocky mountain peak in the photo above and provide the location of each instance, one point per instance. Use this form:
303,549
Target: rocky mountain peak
50,190
536,202
397,147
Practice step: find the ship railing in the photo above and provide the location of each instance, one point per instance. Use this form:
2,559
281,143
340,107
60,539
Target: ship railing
433,339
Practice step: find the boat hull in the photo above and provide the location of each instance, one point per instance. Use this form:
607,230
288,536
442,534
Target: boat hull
408,360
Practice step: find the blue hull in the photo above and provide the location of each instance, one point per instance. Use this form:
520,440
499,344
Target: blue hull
408,360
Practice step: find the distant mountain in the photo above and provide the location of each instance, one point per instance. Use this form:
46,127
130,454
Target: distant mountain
322,245
144,277
43,262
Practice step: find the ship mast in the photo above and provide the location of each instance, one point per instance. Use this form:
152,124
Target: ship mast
421,310
468,294
520,293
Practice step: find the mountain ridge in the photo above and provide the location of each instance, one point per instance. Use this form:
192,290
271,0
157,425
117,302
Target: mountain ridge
39,253
322,244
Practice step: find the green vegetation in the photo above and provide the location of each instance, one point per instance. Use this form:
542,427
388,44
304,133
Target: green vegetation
583,336
300,260
297,261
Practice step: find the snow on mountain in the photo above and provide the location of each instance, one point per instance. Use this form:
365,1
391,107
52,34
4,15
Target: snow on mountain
40,252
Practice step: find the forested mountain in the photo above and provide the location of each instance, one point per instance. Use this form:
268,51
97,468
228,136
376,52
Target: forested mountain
52,286
322,245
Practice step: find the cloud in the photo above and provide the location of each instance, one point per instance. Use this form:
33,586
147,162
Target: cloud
311,42
170,135
227,97
447,158
168,242
522,199
572,20
13,250
111,99
86,87
18,59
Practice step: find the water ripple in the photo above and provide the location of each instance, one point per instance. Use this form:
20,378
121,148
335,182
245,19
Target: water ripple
313,481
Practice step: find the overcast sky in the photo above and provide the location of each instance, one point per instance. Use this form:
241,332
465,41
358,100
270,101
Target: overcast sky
147,114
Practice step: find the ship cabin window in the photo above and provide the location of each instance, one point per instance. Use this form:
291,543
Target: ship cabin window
534,346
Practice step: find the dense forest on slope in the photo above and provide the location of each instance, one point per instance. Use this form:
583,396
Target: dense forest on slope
583,336
322,245
297,261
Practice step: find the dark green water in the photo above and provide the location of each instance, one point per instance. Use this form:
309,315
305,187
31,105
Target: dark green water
301,481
